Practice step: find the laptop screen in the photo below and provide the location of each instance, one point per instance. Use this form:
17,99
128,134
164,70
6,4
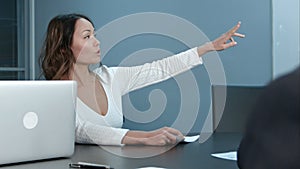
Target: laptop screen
231,115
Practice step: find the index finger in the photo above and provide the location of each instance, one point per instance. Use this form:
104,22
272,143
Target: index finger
235,28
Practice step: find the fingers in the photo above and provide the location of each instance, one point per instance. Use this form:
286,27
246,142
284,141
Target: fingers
232,31
228,45
173,131
170,138
232,40
222,43
239,35
230,35
235,28
167,136
174,136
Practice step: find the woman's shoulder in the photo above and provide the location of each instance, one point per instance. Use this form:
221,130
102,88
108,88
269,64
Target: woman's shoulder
105,72
105,69
102,69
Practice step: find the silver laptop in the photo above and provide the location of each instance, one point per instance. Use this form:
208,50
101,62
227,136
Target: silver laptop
37,120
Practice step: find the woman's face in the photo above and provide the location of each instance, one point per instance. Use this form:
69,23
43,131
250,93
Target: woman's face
85,46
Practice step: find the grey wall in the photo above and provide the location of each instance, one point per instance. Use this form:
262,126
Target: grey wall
249,63
286,43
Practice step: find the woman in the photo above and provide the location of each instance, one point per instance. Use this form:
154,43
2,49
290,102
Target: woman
71,46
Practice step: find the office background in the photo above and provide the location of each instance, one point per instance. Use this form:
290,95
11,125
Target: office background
271,46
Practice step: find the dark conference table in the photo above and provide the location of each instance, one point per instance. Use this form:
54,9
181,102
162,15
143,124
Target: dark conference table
183,156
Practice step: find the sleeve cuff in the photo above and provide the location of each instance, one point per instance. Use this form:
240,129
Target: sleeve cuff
195,55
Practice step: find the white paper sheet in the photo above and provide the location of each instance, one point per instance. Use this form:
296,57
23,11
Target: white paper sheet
189,139
231,155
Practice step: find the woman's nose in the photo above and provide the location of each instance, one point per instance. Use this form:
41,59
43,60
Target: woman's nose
97,42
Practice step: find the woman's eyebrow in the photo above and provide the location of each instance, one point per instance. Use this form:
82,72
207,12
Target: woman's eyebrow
86,30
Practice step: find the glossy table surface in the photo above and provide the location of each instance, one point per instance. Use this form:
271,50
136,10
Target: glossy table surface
182,156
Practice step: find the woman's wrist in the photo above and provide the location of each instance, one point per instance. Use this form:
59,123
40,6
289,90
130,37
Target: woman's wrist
136,137
207,47
129,140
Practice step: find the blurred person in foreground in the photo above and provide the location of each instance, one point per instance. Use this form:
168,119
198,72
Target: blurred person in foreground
272,138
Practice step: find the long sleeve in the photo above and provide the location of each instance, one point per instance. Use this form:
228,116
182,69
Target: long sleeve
87,132
131,78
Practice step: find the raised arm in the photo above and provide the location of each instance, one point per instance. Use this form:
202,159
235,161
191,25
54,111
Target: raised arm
140,76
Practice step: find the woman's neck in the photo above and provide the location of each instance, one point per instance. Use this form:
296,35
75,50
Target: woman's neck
82,75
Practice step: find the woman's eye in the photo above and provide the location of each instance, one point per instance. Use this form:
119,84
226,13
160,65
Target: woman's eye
87,37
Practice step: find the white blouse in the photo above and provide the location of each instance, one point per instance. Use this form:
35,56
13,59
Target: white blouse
94,128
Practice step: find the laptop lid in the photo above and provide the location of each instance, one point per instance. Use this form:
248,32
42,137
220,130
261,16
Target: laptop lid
232,105
37,120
